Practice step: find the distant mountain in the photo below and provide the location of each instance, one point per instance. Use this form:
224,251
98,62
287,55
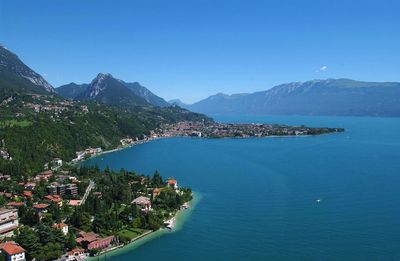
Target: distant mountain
318,97
146,94
71,90
107,89
178,103
15,75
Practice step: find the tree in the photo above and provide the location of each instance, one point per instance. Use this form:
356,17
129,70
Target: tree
154,222
71,241
50,251
157,180
28,239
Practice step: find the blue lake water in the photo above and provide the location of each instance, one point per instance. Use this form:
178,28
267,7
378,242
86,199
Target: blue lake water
259,196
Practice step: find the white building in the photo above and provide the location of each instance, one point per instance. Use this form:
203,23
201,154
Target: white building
63,227
143,202
13,252
8,221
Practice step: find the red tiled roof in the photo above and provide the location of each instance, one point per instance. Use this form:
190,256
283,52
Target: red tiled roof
12,248
41,206
15,204
74,202
53,198
76,251
171,181
27,193
60,225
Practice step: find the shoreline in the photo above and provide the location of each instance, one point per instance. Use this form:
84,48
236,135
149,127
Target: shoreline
179,219
119,148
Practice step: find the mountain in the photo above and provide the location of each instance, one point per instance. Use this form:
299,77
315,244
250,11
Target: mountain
178,103
146,94
35,129
71,90
105,88
15,75
330,97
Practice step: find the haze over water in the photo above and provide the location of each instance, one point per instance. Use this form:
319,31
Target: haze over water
260,195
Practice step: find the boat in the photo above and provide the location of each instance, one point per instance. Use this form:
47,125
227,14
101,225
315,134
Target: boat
169,224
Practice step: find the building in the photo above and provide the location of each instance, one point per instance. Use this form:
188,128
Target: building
5,155
71,189
56,188
143,202
61,190
30,185
51,189
15,204
76,254
55,199
5,177
62,226
74,202
80,155
12,251
27,194
91,240
156,192
8,221
172,183
97,194
56,163
45,175
42,207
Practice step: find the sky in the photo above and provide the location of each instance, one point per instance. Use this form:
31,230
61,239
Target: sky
191,49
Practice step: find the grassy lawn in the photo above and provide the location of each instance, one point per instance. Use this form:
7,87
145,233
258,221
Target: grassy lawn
130,233
15,123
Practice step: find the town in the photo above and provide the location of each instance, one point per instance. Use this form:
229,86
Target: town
70,213
221,130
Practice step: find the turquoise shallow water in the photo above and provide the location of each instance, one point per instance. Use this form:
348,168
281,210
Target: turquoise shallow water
259,195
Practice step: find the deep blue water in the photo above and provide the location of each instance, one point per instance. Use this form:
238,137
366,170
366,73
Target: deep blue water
259,195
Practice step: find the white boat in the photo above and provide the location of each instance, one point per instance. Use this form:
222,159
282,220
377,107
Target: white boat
169,224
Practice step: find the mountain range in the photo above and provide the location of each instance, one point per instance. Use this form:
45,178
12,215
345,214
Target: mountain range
107,89
37,124
16,76
332,97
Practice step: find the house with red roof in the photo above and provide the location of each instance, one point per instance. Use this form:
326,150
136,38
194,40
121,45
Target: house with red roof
172,183
76,254
156,192
74,202
13,251
91,240
27,194
55,199
62,226
143,202
15,204
42,207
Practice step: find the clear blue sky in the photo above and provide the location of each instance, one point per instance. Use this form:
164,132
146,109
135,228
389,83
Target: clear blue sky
190,49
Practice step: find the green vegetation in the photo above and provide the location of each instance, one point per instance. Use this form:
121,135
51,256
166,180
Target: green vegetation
127,234
59,128
108,210
15,123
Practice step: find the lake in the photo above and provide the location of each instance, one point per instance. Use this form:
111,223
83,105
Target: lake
329,197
